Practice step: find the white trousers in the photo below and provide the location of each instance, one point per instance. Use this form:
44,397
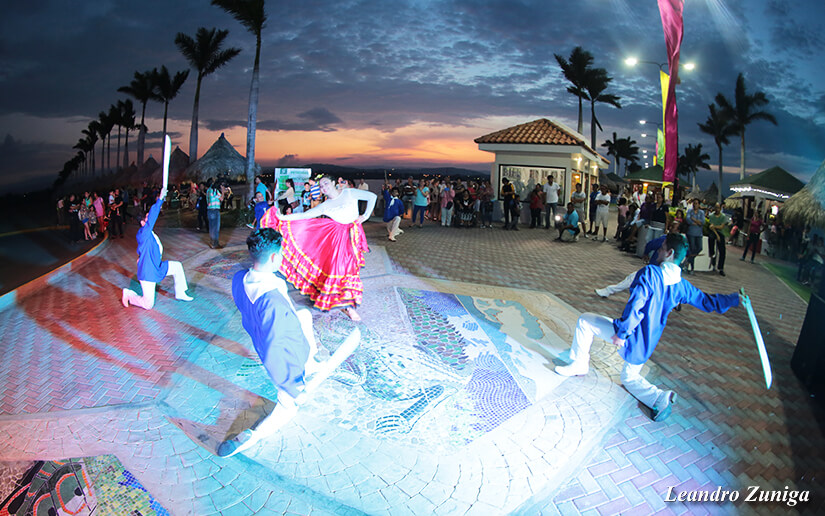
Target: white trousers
392,226
592,325
622,285
147,300
446,216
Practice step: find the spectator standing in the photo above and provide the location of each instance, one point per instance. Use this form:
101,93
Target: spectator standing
447,197
551,200
578,199
116,216
602,212
508,193
486,197
100,212
408,195
622,219
422,200
716,238
214,196
754,229
695,222
200,205
536,204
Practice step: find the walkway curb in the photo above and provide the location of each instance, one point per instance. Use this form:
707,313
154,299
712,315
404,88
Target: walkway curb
13,297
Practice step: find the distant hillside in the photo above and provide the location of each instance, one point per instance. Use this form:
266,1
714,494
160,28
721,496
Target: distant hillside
378,173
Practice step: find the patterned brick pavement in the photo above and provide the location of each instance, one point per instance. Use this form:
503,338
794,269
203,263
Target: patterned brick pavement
75,348
727,430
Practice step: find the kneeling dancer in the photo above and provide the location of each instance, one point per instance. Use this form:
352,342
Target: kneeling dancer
151,269
656,290
282,337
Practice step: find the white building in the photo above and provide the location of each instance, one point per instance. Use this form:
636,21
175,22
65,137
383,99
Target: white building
527,153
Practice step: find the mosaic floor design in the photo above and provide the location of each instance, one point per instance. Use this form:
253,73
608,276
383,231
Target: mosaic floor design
459,378
97,485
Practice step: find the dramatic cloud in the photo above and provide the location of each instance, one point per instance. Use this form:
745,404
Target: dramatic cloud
371,68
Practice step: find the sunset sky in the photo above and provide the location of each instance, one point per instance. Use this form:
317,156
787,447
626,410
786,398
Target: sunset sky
404,83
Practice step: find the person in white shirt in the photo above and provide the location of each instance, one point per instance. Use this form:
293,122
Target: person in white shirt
602,209
551,200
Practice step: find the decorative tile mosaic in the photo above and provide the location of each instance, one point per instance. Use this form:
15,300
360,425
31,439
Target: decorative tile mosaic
460,378
91,485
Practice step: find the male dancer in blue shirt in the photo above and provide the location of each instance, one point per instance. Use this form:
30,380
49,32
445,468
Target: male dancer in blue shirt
151,269
655,291
282,336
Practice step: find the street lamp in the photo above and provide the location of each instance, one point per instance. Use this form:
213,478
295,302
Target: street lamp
632,61
643,122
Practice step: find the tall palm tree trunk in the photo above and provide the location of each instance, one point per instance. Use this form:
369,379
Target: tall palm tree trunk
742,156
126,150
141,136
592,125
117,155
719,193
253,116
193,131
109,153
163,140
579,126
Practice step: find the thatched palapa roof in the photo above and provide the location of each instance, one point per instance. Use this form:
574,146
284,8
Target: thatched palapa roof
220,160
806,206
773,183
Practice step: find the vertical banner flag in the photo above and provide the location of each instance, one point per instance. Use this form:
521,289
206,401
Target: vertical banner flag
671,13
659,158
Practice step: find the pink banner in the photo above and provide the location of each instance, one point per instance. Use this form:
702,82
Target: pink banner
671,13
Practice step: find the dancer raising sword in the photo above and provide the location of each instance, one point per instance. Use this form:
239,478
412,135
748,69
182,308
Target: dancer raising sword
655,291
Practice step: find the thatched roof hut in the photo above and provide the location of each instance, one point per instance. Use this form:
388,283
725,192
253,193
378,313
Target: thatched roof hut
178,163
220,160
708,196
806,207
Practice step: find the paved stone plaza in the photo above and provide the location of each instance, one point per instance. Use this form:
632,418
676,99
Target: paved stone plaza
448,406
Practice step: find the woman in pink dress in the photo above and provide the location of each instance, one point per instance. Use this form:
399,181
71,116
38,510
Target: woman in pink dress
323,256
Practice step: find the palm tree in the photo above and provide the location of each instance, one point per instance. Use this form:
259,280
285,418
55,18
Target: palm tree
83,146
165,88
205,55
718,126
114,115
91,133
742,112
141,90
611,151
691,161
627,150
251,14
105,130
127,120
596,82
575,70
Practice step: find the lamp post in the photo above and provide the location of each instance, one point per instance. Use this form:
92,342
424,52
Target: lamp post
664,79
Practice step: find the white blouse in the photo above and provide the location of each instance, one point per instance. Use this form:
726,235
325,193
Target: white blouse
342,209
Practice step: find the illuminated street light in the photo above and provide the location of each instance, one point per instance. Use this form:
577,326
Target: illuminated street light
644,135
632,61
643,122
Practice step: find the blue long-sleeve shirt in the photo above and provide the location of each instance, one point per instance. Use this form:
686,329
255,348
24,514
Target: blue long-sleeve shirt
652,297
394,207
276,334
150,266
